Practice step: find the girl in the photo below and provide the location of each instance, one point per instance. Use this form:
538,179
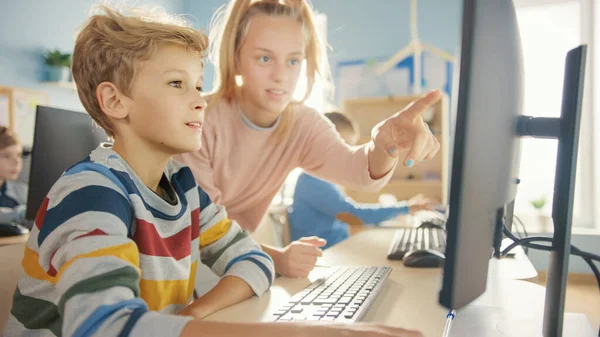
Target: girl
256,133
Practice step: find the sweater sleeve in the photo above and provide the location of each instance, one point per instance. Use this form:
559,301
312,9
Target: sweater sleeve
230,251
327,156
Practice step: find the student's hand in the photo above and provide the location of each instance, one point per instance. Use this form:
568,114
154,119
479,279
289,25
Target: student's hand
299,257
420,203
406,130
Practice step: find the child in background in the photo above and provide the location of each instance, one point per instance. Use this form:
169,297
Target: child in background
13,194
317,203
117,241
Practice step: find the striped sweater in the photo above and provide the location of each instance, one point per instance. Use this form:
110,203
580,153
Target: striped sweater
109,257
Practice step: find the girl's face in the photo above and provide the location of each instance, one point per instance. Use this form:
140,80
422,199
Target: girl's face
269,63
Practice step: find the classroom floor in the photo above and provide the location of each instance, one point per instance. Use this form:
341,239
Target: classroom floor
583,296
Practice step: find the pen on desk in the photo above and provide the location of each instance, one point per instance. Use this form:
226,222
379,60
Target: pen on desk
449,319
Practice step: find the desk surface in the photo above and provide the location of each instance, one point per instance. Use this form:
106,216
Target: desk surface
11,240
409,298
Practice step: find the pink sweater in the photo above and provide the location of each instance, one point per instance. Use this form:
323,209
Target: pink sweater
239,168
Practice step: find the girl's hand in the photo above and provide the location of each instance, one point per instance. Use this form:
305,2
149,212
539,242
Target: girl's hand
406,130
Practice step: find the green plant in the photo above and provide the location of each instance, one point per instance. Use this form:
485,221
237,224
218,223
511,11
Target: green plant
538,203
55,58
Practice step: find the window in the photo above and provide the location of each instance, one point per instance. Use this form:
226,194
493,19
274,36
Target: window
549,29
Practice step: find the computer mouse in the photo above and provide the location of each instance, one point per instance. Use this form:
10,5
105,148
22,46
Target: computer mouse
424,258
12,229
432,224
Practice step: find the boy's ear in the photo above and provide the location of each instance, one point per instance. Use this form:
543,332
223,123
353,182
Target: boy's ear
112,102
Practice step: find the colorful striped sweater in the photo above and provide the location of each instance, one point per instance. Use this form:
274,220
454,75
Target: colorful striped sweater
109,257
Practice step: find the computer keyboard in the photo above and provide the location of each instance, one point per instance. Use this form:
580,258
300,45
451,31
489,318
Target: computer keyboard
421,238
429,219
344,296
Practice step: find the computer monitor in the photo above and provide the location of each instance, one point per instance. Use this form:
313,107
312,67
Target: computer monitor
486,148
61,139
485,154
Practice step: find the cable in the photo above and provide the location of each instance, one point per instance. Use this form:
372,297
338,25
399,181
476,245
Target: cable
529,242
587,257
594,269
522,225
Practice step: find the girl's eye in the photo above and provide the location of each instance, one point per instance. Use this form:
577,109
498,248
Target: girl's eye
294,62
264,59
175,84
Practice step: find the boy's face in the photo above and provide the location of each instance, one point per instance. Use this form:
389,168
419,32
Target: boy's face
11,162
167,108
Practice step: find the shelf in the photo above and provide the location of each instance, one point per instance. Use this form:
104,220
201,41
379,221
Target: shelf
62,84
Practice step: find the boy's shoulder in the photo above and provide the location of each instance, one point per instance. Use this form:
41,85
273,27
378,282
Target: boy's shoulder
102,168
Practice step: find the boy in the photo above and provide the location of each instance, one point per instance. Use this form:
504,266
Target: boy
13,194
119,236
116,243
317,203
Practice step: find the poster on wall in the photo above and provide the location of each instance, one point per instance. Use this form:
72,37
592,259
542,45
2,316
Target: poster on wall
25,105
17,110
4,110
357,78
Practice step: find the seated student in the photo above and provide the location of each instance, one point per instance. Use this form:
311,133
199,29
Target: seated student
317,202
117,241
13,194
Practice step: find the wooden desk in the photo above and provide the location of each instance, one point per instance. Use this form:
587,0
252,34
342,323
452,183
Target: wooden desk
410,296
12,240
10,270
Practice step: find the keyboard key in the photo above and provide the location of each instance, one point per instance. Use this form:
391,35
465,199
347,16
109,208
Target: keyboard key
345,300
287,317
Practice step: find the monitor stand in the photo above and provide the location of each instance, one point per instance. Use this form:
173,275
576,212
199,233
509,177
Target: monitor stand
490,321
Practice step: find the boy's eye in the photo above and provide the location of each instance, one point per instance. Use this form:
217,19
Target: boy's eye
264,59
176,84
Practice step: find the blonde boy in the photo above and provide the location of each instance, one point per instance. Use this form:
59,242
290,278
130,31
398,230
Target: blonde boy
117,241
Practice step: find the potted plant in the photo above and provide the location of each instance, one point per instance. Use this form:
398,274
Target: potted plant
539,204
58,65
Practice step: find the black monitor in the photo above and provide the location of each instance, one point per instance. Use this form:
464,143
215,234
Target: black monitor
488,129
61,139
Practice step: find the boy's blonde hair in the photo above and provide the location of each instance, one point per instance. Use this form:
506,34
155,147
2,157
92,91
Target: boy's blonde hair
229,27
112,45
7,137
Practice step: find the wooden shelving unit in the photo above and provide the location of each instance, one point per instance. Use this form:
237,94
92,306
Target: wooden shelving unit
429,178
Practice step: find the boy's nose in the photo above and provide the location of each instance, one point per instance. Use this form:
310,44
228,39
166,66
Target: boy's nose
199,104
